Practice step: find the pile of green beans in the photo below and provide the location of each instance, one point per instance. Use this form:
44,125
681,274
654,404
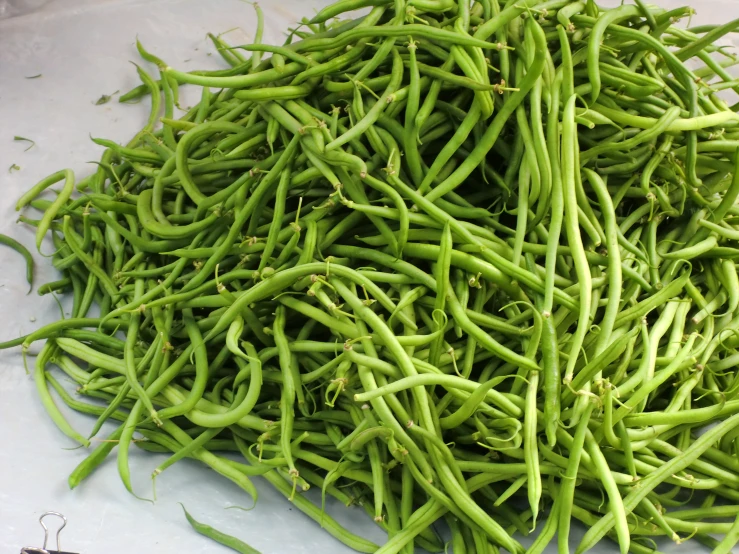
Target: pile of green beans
469,265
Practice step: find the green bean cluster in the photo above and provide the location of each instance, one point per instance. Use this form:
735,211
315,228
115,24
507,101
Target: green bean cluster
469,264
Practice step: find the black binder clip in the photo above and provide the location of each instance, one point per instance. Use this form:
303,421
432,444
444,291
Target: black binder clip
43,549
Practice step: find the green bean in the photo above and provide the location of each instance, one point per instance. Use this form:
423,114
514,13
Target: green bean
23,251
39,377
236,81
614,496
686,124
96,457
231,542
531,452
404,30
594,40
729,540
567,488
342,6
201,370
289,390
61,199
432,379
693,251
256,55
569,165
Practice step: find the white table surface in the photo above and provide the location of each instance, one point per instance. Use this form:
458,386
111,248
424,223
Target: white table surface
82,49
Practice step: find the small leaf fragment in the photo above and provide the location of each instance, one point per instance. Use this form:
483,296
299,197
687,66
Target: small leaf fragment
24,139
105,98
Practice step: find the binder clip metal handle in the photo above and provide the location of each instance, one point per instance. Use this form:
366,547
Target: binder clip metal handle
43,549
